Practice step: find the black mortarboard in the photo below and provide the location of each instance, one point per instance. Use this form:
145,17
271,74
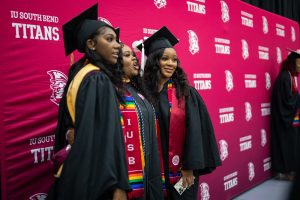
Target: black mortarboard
294,53
78,30
161,39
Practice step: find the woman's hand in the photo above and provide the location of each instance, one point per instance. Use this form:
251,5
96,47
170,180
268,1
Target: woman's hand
187,178
119,194
70,136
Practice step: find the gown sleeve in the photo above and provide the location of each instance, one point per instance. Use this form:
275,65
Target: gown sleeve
96,164
200,149
284,103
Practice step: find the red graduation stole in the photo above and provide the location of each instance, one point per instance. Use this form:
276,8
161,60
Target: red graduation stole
134,149
176,133
132,127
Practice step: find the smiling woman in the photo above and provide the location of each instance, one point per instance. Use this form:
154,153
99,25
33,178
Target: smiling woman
186,132
95,167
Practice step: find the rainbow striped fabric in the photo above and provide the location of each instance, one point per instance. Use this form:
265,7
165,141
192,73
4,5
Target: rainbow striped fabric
296,119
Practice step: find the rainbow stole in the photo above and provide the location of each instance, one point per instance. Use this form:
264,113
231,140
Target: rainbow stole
134,149
294,83
176,133
296,119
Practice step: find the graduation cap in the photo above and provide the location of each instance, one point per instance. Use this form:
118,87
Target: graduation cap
78,30
294,53
161,39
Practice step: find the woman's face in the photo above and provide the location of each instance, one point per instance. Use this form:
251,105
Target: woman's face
168,63
107,46
298,64
130,65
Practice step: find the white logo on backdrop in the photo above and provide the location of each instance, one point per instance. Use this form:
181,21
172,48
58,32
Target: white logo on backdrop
265,25
245,49
278,53
268,80
38,196
225,11
229,80
204,191
104,20
223,149
251,171
293,34
231,181
263,135
248,111
160,3
58,81
175,160
193,40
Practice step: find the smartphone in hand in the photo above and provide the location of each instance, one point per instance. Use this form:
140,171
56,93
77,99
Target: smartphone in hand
179,187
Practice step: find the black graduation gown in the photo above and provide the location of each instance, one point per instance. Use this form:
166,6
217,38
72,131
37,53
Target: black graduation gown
294,193
200,149
152,173
284,137
96,164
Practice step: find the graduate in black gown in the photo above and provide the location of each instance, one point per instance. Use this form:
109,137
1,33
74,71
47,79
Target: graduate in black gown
96,166
187,137
285,106
135,96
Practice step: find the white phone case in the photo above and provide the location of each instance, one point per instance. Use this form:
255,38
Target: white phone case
179,187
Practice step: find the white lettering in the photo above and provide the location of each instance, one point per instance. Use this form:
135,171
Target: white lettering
222,49
39,154
267,166
250,83
245,146
196,8
265,104
202,84
231,183
263,55
221,40
131,160
280,32
247,22
14,14
149,31
129,134
246,14
226,118
228,109
248,137
250,76
52,19
36,32
202,75
229,176
130,147
265,111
